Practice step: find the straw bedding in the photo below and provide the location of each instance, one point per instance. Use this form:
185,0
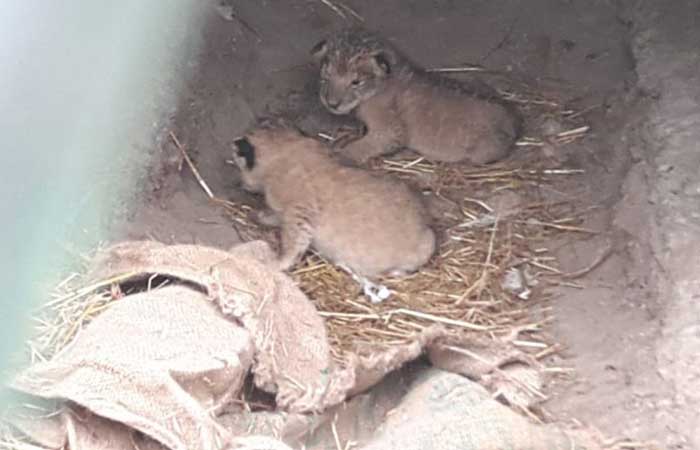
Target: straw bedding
462,287
493,265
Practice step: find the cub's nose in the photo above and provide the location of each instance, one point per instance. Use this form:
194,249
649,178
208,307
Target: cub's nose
333,103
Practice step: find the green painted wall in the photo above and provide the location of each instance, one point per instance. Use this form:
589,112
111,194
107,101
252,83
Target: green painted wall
85,88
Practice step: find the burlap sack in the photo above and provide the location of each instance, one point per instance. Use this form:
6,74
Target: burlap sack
164,362
155,362
443,411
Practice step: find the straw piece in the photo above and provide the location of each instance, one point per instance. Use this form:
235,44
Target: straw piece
463,69
341,9
199,178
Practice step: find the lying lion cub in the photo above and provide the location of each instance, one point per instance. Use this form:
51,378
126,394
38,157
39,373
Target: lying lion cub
403,106
371,225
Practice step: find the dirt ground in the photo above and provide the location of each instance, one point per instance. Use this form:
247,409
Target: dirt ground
577,51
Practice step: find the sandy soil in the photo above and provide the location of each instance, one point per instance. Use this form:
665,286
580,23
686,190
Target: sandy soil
576,50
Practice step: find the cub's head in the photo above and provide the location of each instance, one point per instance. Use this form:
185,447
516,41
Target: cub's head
257,153
354,66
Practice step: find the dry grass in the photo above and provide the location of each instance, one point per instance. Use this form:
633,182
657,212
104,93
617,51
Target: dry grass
68,311
343,10
461,288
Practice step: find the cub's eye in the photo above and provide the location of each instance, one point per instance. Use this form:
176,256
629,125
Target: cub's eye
357,82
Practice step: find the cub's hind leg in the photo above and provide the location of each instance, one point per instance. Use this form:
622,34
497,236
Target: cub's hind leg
296,236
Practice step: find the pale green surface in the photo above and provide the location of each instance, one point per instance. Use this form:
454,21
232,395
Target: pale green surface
84,87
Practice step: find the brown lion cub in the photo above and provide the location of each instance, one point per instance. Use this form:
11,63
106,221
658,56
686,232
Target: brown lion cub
371,225
404,106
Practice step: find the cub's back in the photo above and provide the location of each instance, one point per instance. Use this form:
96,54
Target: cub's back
388,217
349,190
446,120
373,221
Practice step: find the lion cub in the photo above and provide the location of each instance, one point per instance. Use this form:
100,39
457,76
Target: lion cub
404,106
370,225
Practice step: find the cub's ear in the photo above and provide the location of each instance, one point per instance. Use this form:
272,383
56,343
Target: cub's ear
245,150
382,63
319,50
